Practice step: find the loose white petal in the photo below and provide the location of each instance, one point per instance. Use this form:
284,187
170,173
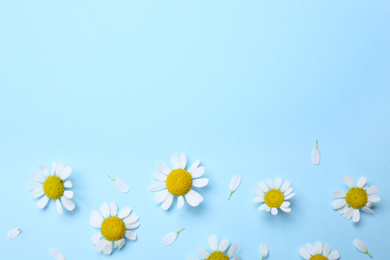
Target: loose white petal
264,250
163,167
124,212
176,161
213,243
57,254
131,235
339,194
171,237
168,202
119,243
234,183
96,219
194,166
361,247
159,185
13,233
68,204
198,172
183,161
232,250
122,186
37,177
113,209
223,245
200,183
349,181
315,156
58,206
42,202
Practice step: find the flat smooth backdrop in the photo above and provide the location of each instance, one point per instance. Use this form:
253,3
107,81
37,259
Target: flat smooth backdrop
115,87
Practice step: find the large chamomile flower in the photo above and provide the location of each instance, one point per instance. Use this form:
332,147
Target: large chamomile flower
318,252
359,197
218,250
274,196
178,182
53,186
113,227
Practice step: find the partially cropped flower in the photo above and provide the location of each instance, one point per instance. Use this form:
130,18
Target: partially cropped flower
359,197
318,252
54,186
218,251
275,197
361,247
264,251
121,185
171,237
113,227
13,233
234,183
315,156
178,182
57,254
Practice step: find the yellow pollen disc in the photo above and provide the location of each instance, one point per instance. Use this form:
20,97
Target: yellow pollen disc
356,198
318,257
179,182
274,198
218,256
53,187
113,228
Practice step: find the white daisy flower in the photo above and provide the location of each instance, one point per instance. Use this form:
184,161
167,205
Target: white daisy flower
318,252
274,196
359,197
113,227
218,250
178,182
54,186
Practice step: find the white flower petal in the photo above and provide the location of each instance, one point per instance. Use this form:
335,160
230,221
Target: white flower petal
57,254
159,176
315,157
203,254
168,202
200,183
122,186
131,235
13,233
42,202
361,182
318,247
180,202
119,243
232,250
156,186
44,170
107,248
349,181
124,212
35,186
96,219
68,184
271,184
356,215
161,196
223,245
338,204
263,187
343,209
289,196
264,250
348,214
372,190
194,166
259,192
59,168
213,243
326,250
69,194
198,172
96,237
131,219
176,161
288,191
105,210
368,210
68,204
100,244
258,199
334,255
360,245
339,194
262,207
310,248
304,253
59,206
183,161
193,198
113,209
37,177
285,209
53,167
278,183
163,167
285,186
235,182
169,238
274,211
133,225
37,193
374,198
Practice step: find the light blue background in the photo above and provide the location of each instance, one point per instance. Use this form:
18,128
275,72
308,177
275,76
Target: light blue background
115,87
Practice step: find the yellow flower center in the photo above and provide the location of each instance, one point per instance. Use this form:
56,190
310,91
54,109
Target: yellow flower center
218,256
356,198
53,187
113,228
274,198
318,257
179,182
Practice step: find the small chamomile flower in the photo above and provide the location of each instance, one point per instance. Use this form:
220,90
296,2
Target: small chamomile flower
113,227
178,182
218,250
318,252
274,196
359,197
54,186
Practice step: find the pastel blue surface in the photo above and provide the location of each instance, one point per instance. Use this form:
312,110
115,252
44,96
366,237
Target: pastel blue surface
115,87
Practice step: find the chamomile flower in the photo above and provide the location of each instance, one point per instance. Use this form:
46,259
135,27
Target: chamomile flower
359,197
274,196
54,186
178,182
113,227
218,250
318,252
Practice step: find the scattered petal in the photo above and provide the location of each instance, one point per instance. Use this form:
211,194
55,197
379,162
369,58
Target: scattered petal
56,254
13,233
315,156
234,183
